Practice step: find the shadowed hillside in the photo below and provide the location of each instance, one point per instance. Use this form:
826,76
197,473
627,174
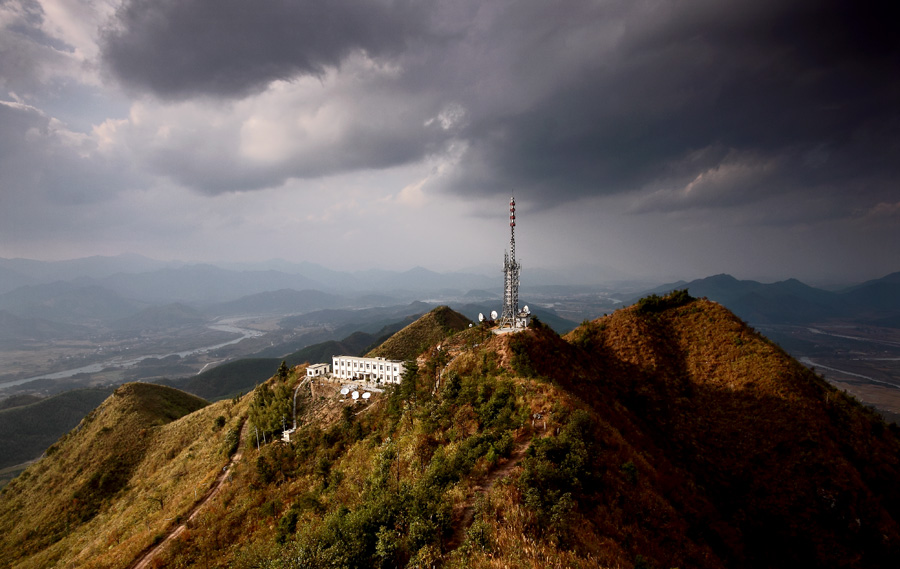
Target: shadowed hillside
794,472
29,429
668,434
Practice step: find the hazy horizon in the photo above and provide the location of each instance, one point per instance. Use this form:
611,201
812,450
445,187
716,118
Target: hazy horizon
575,275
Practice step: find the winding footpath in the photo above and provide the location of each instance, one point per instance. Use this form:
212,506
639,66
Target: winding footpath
147,556
465,516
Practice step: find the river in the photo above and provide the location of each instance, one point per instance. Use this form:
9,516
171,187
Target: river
123,362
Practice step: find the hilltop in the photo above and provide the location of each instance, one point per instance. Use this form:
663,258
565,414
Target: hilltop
667,434
109,477
422,334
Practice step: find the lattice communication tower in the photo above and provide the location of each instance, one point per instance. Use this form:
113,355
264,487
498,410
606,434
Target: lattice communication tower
510,317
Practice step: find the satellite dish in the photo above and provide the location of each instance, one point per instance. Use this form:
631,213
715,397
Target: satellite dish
526,310
480,317
345,391
493,314
366,395
355,395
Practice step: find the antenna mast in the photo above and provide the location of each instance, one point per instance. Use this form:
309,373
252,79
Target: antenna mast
508,319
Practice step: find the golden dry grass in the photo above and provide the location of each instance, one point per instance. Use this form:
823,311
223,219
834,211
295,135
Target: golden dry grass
171,464
700,441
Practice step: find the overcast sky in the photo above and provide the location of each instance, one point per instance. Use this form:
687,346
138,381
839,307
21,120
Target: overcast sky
642,138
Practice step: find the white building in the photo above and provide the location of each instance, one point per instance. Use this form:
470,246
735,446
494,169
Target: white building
318,370
378,370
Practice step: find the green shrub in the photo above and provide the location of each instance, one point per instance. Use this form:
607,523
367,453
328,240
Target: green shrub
558,473
630,471
287,525
654,303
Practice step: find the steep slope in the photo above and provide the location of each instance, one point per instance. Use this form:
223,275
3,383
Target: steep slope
113,480
668,434
795,472
425,332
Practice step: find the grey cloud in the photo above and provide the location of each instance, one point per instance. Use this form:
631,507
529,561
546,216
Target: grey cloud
231,48
561,101
811,85
26,52
48,172
366,134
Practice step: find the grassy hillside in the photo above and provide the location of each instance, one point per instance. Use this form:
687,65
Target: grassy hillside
107,488
28,430
792,472
425,332
668,434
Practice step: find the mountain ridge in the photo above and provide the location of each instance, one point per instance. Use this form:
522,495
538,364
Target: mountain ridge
666,434
794,302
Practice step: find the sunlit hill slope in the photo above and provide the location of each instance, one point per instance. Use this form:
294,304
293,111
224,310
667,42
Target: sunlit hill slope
668,434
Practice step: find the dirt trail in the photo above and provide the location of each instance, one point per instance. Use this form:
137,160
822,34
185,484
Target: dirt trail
464,517
147,556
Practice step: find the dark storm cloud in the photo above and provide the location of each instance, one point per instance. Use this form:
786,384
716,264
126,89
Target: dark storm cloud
804,94
690,104
181,48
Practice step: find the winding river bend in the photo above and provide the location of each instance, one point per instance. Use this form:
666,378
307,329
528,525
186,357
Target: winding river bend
121,362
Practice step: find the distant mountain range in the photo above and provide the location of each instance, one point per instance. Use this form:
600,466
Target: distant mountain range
140,278
792,302
69,302
134,292
284,301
